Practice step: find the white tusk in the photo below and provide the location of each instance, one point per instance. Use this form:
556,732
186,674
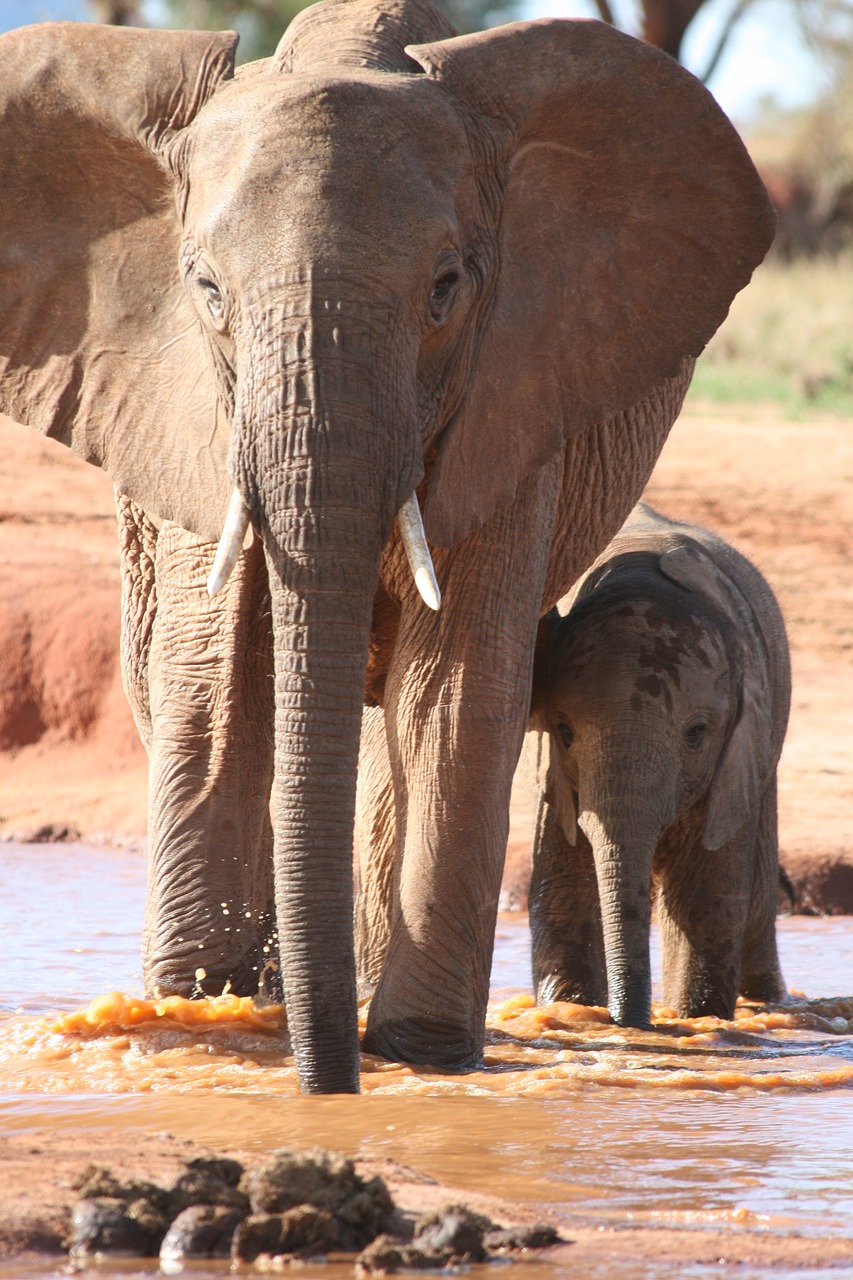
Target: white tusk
230,544
417,551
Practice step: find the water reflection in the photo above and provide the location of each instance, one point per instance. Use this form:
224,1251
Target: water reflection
70,924
71,919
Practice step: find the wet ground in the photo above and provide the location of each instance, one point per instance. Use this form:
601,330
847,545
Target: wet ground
741,1132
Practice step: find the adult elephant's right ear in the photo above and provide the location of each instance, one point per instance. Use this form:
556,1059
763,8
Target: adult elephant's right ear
99,345
627,214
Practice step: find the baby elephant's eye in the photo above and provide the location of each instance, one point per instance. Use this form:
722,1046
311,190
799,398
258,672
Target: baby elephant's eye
695,733
567,736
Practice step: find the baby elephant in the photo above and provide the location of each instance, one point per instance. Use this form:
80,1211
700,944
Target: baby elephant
660,703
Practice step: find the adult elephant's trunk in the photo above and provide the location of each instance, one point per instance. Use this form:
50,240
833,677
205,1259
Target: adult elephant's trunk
621,812
323,459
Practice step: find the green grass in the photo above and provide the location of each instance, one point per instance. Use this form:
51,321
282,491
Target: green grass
788,341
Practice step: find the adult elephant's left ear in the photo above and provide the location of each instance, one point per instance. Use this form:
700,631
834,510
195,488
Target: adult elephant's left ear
99,345
631,216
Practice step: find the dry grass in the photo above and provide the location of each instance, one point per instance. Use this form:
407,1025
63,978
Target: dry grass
788,340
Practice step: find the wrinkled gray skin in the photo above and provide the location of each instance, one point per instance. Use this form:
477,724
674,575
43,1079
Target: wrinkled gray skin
661,699
480,268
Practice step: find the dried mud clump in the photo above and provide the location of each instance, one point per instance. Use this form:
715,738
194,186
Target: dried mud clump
454,1236
136,1219
292,1206
205,1186
202,1231
361,1210
96,1182
105,1224
303,1232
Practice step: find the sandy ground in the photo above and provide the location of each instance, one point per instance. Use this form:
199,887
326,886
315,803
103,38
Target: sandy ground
35,1215
783,492
70,757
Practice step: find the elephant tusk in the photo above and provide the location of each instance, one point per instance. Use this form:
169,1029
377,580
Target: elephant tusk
417,551
230,544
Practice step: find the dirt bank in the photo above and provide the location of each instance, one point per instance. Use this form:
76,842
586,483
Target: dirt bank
38,1195
782,491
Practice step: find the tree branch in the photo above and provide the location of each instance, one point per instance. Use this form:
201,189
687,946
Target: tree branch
728,27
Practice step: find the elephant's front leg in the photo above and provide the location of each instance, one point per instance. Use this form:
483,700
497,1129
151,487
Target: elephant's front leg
761,975
703,908
209,916
566,932
457,701
137,537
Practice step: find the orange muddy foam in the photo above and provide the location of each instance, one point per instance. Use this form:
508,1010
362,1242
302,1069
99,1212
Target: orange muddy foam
121,1044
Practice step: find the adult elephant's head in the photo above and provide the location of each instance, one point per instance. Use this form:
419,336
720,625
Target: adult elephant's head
384,245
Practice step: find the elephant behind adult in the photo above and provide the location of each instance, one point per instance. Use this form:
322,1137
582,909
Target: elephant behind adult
385,259
660,703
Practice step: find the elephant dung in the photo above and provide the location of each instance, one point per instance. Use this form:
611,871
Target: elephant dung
326,1181
105,1224
201,1231
304,1230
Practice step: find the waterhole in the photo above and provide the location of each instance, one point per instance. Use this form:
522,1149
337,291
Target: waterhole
697,1125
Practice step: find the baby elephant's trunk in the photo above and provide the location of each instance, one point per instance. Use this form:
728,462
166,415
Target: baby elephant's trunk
624,825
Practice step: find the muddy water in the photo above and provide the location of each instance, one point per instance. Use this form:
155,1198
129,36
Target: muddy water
745,1126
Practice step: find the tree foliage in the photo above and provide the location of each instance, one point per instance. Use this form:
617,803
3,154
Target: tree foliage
261,23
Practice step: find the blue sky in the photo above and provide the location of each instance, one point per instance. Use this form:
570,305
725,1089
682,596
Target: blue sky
766,56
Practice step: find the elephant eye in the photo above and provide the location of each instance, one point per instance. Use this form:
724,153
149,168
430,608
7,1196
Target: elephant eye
566,733
212,296
695,734
211,291
442,291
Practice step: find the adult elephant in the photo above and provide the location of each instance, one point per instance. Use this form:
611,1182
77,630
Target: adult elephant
386,259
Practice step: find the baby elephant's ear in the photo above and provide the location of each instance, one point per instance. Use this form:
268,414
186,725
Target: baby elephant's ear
628,215
746,765
99,346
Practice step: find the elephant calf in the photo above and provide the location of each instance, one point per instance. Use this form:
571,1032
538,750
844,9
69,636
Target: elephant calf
660,704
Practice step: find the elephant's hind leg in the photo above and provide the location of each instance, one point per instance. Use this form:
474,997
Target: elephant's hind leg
761,975
376,836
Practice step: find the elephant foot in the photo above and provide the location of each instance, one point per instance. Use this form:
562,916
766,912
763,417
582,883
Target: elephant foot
556,988
247,977
431,1042
766,987
709,1007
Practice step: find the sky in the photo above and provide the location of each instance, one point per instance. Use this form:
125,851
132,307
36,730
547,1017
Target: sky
765,57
